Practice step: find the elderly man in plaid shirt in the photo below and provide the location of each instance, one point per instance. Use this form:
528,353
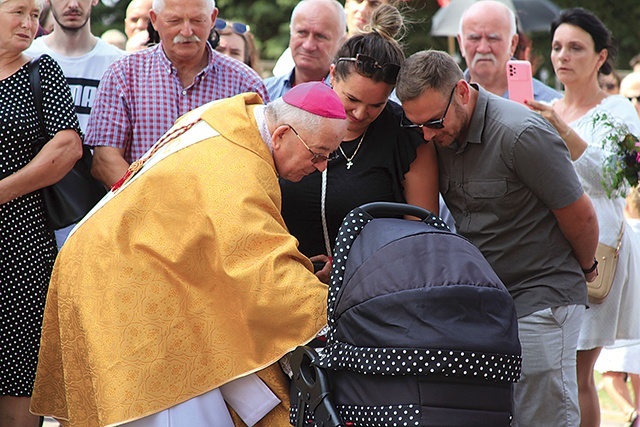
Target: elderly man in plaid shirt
142,94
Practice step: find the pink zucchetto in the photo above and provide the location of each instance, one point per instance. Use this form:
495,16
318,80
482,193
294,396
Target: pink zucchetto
316,98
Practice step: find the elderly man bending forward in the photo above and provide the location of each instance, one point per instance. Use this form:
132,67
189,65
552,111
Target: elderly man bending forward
184,282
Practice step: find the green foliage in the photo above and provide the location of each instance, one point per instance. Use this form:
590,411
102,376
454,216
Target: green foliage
269,21
624,30
418,15
621,167
621,17
104,17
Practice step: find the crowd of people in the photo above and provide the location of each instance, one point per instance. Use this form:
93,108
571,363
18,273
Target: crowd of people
208,260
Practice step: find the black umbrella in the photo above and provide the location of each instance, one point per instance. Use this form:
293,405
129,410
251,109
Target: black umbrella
534,15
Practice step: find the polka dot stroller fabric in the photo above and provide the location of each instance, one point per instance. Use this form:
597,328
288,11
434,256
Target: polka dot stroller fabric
421,331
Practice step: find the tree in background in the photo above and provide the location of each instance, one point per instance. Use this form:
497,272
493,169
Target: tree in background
108,14
620,16
269,21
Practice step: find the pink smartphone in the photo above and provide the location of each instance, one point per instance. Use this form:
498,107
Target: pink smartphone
519,80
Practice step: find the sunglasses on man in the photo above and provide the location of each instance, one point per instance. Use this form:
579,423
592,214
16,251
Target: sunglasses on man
367,66
431,124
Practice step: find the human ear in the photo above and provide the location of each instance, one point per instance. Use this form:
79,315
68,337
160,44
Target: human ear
461,45
514,44
214,16
602,57
462,87
277,135
332,74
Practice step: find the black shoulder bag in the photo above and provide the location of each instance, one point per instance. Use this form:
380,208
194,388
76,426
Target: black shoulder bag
70,199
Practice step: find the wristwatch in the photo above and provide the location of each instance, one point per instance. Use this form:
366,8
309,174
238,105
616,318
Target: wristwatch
592,268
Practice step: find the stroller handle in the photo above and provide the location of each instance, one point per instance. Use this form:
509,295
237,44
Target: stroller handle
389,209
392,209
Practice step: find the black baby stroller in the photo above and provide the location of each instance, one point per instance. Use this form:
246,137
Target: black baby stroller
421,331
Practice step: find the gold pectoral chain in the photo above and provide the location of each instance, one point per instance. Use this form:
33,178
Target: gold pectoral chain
135,167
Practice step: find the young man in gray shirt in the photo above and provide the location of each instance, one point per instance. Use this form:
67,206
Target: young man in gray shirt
507,178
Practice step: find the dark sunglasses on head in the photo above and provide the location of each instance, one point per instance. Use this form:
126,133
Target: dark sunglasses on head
237,27
431,124
367,66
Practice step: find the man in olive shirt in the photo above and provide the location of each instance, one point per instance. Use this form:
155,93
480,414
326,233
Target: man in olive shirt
508,180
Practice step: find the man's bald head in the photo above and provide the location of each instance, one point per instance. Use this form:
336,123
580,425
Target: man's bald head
488,38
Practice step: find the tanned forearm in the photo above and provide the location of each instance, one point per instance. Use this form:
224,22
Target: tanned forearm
579,225
108,165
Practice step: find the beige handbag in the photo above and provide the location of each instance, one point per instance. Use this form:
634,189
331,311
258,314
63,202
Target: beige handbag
607,257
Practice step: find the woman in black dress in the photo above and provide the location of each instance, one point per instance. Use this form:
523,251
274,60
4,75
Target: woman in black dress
379,160
27,246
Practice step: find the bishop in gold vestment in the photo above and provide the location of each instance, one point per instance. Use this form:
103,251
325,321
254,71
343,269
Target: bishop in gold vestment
179,281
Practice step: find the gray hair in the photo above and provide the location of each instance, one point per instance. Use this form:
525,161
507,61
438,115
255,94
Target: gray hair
158,5
428,69
279,113
39,3
513,26
338,9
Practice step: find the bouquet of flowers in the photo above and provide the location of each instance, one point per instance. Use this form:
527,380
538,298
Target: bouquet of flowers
622,166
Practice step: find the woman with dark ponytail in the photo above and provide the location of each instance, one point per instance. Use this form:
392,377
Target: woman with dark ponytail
379,160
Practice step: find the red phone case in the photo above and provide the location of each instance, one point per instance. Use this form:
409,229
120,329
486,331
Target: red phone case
519,80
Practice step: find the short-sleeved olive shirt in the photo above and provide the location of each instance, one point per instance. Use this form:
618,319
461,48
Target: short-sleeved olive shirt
501,186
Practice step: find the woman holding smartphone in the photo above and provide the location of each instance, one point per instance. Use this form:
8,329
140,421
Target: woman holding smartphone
379,160
582,48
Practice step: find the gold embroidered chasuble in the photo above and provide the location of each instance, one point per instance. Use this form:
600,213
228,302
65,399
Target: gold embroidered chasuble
185,279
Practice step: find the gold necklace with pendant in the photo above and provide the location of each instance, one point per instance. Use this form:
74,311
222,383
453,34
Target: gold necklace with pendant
349,159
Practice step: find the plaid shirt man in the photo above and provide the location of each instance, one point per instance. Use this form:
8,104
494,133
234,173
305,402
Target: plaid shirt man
140,96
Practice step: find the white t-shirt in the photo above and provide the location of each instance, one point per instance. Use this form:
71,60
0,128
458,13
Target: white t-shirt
83,73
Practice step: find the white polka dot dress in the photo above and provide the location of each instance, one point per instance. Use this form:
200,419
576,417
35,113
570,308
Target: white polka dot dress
27,247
